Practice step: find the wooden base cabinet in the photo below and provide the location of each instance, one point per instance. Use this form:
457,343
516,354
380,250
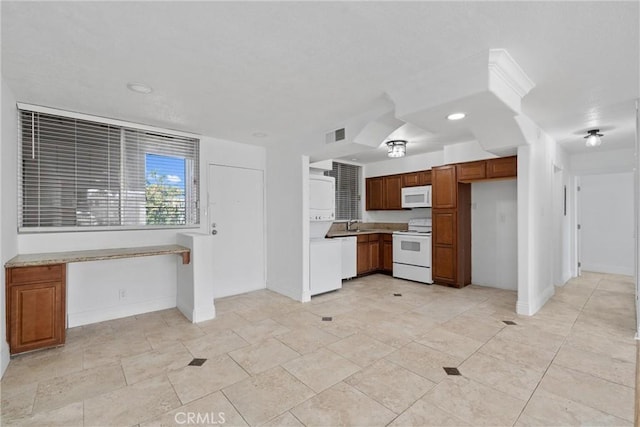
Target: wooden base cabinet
375,254
36,308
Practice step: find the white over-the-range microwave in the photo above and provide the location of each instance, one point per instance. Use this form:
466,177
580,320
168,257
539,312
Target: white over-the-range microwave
416,197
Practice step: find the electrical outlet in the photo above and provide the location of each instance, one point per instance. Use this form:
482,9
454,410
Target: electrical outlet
122,294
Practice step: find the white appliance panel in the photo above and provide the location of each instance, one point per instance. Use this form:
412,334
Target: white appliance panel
322,198
416,197
412,272
349,256
412,249
325,265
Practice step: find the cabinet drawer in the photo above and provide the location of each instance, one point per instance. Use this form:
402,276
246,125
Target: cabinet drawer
363,238
40,273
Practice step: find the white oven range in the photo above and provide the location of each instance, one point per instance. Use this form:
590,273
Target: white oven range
412,251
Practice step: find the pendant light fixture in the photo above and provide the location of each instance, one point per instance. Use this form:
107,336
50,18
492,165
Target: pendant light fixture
396,148
593,138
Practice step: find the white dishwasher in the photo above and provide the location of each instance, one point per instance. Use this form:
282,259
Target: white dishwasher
349,255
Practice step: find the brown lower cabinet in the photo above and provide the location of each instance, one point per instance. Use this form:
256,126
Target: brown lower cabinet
36,308
375,253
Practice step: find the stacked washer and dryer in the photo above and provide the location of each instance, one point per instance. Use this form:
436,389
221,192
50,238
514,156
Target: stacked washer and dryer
325,255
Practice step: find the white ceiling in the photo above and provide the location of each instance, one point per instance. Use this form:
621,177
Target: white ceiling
231,69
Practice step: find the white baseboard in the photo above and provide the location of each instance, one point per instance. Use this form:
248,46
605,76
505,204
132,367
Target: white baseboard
110,313
198,314
529,308
611,269
288,292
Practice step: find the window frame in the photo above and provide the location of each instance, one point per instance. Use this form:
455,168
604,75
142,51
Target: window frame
359,188
124,125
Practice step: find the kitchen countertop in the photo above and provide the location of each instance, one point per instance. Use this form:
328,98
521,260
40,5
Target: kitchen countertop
332,234
29,260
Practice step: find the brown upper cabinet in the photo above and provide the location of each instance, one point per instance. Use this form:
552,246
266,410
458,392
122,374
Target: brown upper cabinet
384,193
444,182
392,195
424,177
410,179
472,171
502,167
374,194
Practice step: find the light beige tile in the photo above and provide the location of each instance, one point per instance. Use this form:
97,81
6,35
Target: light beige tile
391,385
589,390
532,336
608,345
17,401
440,338
475,327
222,322
342,405
332,308
518,353
61,391
307,340
212,410
284,420
606,367
173,317
30,368
193,382
515,380
342,326
297,319
68,415
361,349
265,355
153,363
546,409
321,369
392,332
475,403
424,361
422,413
131,405
266,395
112,351
259,331
172,334
216,343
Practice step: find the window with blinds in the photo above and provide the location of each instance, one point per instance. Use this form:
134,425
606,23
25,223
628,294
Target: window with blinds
79,174
347,190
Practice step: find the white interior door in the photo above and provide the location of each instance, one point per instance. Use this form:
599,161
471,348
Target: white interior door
236,220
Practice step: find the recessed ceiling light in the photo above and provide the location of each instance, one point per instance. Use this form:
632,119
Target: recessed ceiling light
456,116
139,87
259,134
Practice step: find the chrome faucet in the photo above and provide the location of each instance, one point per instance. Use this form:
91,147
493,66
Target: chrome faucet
350,223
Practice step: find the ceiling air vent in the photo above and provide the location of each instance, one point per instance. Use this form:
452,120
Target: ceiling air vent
335,136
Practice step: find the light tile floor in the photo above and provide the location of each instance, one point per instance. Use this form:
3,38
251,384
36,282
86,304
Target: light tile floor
379,361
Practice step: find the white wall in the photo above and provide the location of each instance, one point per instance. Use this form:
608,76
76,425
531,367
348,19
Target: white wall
465,152
535,223
564,225
8,188
287,222
405,164
606,203
609,161
494,234
150,283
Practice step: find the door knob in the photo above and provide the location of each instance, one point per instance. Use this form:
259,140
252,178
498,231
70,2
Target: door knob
214,232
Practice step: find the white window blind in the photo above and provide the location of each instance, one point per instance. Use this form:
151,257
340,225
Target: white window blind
347,190
77,174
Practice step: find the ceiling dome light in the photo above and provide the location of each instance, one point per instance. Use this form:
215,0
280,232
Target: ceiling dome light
139,88
593,138
456,116
396,148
